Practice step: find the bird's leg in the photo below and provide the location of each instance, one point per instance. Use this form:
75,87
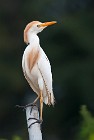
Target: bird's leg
41,109
34,103
41,104
36,99
31,104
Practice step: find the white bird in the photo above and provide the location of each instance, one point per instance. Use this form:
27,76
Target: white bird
36,65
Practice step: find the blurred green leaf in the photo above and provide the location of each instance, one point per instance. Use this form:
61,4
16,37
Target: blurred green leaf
87,127
16,138
91,137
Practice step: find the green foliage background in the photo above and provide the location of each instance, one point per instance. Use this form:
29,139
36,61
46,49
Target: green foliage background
70,47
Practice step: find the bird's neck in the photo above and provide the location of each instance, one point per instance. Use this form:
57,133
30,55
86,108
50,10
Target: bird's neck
33,39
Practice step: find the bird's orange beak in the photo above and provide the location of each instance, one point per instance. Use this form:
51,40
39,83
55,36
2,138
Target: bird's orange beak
47,23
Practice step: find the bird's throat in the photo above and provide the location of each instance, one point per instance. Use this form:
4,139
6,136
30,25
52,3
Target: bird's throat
33,39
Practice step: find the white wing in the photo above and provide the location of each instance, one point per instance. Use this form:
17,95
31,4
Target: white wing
27,77
45,70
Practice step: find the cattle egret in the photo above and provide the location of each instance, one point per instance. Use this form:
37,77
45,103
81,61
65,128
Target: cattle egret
36,65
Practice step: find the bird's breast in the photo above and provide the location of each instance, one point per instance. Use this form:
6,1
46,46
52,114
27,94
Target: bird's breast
32,58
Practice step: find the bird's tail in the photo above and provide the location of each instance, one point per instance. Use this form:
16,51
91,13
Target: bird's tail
49,99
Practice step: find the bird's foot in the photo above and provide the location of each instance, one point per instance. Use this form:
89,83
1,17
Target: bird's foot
25,106
37,121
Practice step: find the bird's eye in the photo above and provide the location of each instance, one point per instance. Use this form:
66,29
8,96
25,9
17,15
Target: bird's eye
38,26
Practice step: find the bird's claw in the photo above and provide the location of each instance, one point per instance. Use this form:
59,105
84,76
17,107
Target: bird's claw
24,107
37,121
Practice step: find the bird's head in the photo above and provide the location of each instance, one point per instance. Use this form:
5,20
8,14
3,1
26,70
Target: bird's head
35,27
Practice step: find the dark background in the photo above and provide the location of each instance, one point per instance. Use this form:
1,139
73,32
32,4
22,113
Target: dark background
70,47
